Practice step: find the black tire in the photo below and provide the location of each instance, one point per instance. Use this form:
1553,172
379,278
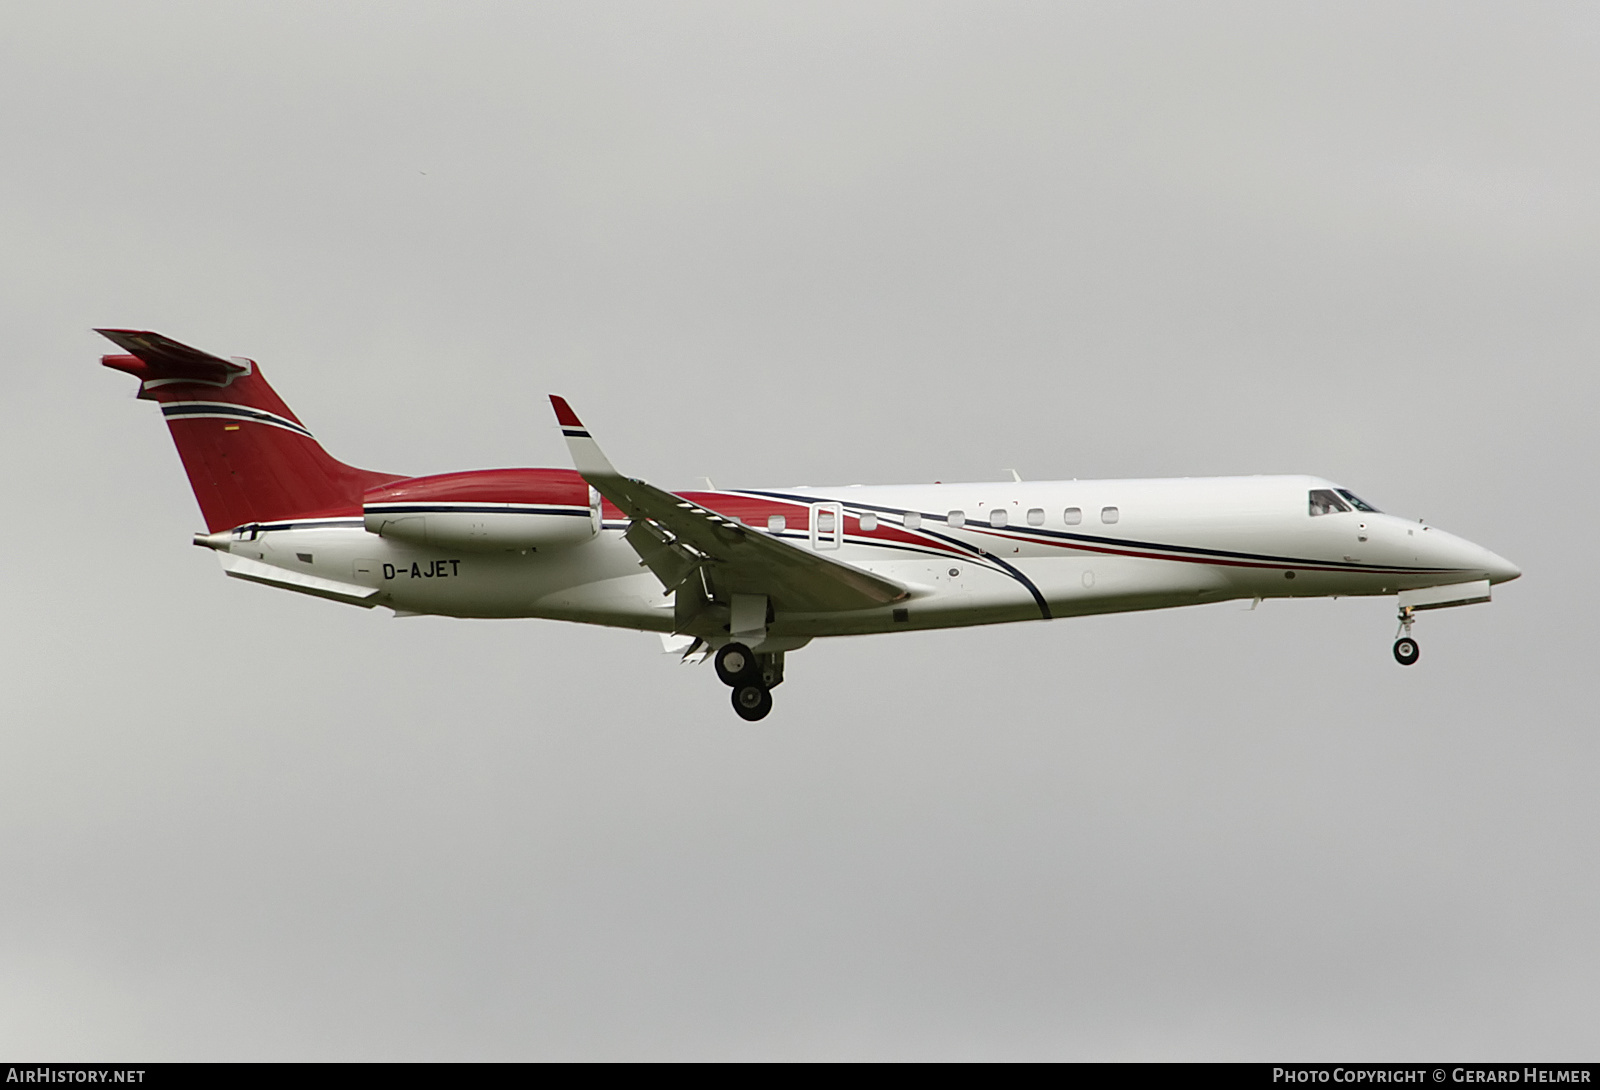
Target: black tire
1405,651
752,702
737,664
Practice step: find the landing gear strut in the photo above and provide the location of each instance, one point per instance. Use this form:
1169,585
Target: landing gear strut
752,678
1405,648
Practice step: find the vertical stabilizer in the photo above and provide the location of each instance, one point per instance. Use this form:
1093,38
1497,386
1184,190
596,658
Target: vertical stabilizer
249,458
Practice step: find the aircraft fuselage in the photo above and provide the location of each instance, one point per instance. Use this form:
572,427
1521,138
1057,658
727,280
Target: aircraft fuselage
973,553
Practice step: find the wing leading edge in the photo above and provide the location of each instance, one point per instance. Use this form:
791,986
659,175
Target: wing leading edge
677,539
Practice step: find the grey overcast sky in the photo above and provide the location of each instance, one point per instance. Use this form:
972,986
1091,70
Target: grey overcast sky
804,243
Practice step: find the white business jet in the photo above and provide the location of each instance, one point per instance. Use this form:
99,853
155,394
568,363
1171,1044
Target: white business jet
745,576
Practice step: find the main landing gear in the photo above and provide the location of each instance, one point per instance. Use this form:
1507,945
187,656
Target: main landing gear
752,678
1405,648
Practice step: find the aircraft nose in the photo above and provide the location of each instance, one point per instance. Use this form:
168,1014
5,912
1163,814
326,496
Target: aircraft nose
1459,553
1499,568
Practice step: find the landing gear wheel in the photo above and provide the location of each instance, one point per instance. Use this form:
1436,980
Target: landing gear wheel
752,702
1405,651
737,664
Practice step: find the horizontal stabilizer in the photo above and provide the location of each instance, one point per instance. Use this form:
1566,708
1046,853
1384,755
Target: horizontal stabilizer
254,571
164,358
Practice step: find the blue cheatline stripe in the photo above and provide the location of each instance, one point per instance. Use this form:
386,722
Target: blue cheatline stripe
201,409
1050,536
1044,607
451,509
303,524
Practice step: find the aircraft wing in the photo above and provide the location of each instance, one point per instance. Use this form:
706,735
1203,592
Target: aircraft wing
676,538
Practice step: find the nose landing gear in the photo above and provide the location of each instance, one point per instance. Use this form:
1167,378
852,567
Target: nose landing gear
1405,648
752,678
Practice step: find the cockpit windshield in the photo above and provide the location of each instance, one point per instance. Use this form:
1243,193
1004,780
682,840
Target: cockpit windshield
1325,502
1356,501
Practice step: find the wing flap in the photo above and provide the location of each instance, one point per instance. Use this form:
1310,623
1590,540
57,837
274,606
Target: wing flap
658,551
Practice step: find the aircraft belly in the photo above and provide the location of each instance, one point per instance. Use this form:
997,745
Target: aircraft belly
1101,584
628,601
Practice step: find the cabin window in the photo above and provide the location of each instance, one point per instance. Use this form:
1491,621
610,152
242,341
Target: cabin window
1072,516
1108,515
912,520
1036,516
956,518
997,517
1325,502
869,522
825,522
776,522
1356,501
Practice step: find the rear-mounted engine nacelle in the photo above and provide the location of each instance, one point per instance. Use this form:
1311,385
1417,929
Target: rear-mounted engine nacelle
491,510
484,531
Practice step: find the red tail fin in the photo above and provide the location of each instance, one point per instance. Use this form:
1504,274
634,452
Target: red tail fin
248,456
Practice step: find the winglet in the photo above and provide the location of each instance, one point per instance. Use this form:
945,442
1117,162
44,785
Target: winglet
586,454
564,414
